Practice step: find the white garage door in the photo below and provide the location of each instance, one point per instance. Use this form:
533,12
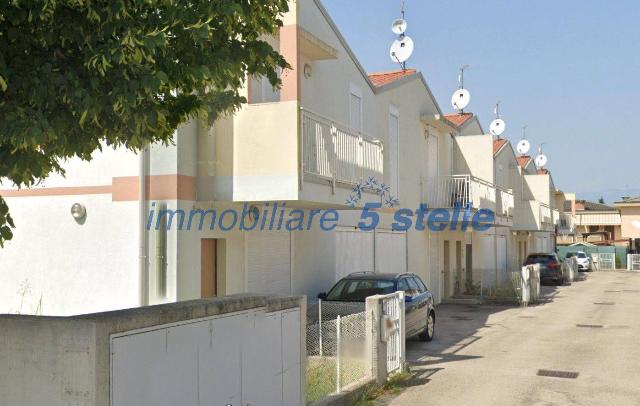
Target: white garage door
391,252
216,361
269,262
354,252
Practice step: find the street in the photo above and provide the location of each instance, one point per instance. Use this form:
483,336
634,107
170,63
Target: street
491,355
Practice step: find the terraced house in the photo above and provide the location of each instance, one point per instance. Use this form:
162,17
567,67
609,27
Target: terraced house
313,144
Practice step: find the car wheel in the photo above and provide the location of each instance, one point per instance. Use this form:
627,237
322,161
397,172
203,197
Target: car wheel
430,329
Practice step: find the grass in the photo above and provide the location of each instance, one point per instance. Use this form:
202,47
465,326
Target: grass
395,384
321,375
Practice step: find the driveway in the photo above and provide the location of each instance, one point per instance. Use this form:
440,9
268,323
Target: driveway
490,355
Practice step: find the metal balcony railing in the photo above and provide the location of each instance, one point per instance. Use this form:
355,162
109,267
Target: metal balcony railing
461,190
337,153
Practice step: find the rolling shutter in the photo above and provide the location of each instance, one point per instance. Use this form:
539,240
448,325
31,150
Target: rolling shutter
269,262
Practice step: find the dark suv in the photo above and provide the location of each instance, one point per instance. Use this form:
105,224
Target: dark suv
420,315
550,267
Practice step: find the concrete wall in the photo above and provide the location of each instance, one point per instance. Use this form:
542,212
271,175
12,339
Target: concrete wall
630,217
473,154
66,361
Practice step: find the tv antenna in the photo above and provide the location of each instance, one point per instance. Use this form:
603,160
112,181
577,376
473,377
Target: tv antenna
497,126
402,48
461,97
541,159
523,146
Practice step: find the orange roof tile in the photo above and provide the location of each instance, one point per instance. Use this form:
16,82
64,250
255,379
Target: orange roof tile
458,119
498,144
523,160
384,78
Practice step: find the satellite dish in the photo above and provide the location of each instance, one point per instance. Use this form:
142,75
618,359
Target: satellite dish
523,147
497,127
460,99
399,26
541,160
401,49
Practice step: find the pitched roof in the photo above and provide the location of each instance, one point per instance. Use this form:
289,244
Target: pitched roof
458,119
632,200
593,206
523,160
498,144
384,78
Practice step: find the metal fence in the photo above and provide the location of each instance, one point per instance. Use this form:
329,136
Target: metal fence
337,353
344,339
633,262
604,261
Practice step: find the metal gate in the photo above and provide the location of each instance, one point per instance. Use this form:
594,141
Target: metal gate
633,262
605,262
393,317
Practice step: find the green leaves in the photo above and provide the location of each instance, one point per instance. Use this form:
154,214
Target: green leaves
76,74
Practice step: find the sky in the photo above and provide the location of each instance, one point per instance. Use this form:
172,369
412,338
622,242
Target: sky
569,70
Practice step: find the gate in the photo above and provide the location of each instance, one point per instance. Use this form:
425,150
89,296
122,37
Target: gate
633,262
392,311
606,262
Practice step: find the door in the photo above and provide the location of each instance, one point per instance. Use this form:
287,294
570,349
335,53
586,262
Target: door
502,258
469,269
390,252
269,262
446,270
434,267
208,271
459,283
354,252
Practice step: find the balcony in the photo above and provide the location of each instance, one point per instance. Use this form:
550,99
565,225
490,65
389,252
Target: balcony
338,154
462,190
566,224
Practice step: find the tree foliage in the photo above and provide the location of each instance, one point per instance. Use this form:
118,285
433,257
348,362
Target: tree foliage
79,74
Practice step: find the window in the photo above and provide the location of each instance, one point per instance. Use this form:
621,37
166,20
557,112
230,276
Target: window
355,108
261,90
357,290
421,285
394,135
403,285
414,289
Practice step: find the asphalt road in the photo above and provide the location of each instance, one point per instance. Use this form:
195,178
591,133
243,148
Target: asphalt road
490,355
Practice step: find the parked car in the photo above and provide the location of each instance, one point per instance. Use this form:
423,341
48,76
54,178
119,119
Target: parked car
584,262
550,267
420,314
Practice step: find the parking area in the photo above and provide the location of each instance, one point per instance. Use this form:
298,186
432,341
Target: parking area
584,335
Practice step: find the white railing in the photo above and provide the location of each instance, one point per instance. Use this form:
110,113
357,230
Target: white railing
393,312
460,190
506,203
566,223
545,213
337,153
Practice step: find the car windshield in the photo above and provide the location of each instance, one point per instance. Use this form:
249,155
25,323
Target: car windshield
357,290
540,259
582,255
569,255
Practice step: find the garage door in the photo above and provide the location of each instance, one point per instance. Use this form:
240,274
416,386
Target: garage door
269,262
391,252
354,252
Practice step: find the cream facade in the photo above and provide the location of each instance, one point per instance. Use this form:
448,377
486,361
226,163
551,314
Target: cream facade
307,146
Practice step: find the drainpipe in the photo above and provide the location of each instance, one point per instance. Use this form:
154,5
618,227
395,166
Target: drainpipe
142,215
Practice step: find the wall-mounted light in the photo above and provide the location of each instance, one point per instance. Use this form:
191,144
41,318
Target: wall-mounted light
308,71
78,211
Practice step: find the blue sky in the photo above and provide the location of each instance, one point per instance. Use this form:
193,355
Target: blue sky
568,69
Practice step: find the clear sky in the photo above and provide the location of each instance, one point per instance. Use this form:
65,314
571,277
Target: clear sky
568,69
